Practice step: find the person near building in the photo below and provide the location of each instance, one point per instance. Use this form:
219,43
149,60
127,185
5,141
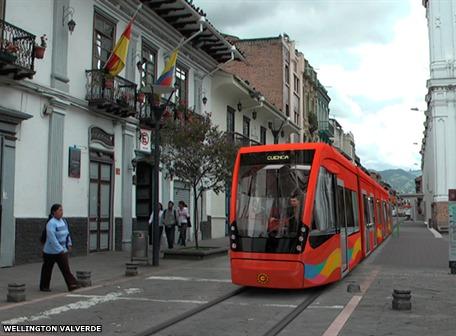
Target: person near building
160,223
170,220
56,247
184,217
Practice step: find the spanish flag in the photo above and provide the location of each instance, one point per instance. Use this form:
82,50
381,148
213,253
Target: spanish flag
167,76
118,58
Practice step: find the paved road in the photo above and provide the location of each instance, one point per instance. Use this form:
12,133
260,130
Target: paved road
127,306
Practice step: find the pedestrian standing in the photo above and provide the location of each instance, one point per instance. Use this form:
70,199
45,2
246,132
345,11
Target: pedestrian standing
55,250
160,223
170,221
184,216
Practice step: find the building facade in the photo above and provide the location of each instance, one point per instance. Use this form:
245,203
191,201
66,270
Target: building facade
438,156
69,134
276,68
344,142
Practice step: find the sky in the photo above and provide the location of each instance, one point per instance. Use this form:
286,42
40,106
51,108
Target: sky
371,55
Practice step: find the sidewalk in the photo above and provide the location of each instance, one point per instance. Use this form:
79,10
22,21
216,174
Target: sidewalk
417,261
105,267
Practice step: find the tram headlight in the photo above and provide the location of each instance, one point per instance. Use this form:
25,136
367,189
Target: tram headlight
233,246
233,228
299,248
303,229
301,239
233,236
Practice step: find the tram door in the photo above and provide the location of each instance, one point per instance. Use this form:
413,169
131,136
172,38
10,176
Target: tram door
342,224
367,224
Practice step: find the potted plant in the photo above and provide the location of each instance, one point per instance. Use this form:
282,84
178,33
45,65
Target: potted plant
40,49
10,52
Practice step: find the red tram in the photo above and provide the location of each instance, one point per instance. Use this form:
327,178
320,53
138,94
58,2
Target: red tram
302,215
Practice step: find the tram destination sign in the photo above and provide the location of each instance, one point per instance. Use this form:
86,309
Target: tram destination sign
452,229
278,157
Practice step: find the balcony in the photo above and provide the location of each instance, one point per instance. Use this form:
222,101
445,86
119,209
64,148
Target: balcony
16,52
114,95
242,140
325,131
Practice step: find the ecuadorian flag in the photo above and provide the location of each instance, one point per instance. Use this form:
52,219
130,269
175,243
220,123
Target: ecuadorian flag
118,58
167,76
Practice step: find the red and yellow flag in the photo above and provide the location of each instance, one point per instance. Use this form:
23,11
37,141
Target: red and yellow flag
116,62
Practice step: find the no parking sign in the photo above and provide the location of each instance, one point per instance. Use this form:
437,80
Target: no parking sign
144,140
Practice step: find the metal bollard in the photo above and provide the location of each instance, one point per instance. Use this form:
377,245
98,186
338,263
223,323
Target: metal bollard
84,278
132,269
353,288
401,299
16,292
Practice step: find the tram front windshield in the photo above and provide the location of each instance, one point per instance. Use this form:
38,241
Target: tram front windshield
270,198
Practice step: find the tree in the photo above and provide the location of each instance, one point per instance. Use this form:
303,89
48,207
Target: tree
198,153
313,123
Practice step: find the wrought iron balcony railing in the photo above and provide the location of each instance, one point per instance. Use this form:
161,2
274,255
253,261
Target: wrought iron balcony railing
242,140
114,95
16,51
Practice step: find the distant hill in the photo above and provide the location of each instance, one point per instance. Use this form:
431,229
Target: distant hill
401,180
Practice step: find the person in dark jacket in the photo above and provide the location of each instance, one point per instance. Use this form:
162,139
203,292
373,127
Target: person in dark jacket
55,250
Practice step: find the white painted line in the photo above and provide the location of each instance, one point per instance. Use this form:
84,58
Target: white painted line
177,278
343,317
141,299
92,301
435,233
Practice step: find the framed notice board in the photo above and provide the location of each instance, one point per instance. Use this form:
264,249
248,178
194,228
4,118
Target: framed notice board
74,164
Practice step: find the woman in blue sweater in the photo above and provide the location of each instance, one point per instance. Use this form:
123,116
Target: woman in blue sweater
55,250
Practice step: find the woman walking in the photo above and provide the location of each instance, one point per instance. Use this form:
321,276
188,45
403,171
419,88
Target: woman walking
55,250
184,218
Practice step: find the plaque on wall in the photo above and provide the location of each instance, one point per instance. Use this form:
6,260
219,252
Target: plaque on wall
97,135
74,162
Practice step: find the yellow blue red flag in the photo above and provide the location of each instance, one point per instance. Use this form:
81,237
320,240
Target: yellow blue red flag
167,76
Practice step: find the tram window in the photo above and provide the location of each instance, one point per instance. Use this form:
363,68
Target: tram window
371,210
341,220
324,219
349,210
385,215
366,210
355,211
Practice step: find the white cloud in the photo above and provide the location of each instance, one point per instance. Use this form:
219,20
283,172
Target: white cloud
396,71
372,55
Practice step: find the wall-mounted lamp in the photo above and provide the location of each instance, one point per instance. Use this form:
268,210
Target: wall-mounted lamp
239,106
204,100
68,13
254,114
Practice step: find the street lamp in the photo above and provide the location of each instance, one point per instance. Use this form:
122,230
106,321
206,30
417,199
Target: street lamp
277,131
152,119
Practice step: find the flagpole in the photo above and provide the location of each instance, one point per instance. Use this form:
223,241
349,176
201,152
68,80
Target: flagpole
138,9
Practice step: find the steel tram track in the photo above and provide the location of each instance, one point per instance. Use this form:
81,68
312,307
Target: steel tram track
291,316
275,330
192,312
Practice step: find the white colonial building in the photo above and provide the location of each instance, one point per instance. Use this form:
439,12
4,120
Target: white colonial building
438,155
70,135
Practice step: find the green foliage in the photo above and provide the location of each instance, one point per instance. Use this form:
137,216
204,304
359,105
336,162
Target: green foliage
313,122
198,153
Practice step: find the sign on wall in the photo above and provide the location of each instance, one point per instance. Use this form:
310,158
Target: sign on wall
74,162
97,135
144,140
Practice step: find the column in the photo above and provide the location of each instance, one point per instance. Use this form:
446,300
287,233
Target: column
128,143
59,75
55,158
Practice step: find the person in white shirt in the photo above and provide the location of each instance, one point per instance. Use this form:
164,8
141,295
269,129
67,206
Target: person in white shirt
160,223
184,222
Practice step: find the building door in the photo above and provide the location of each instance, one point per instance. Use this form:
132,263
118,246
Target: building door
144,194
100,191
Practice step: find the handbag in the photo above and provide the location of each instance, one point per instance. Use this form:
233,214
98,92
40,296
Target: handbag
189,224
